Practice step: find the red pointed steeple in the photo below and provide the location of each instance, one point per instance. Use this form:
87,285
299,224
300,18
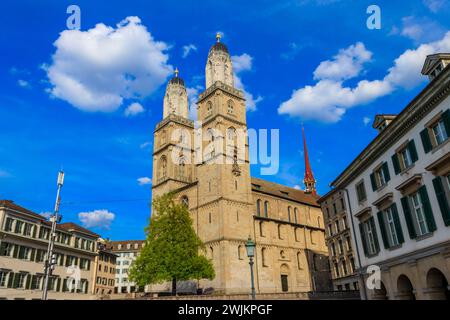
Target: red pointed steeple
308,180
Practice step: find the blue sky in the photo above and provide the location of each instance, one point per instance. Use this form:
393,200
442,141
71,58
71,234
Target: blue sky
310,61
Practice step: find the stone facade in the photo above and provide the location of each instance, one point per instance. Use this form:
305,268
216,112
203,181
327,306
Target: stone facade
209,171
104,270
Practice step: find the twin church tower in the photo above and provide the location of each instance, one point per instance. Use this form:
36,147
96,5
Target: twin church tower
225,203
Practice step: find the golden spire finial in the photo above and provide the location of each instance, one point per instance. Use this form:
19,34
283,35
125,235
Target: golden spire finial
218,36
176,72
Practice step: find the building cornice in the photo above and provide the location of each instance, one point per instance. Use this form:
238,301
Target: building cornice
219,85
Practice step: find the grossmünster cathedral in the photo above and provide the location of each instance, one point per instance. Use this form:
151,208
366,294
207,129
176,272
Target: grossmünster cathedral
226,204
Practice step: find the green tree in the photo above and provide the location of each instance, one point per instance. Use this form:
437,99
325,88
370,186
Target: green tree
171,252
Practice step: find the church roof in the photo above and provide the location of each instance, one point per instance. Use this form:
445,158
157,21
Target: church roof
284,192
177,80
219,46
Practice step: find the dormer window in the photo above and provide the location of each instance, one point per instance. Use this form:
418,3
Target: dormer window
434,64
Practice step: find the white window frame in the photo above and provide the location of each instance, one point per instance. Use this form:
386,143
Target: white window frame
439,132
406,158
419,214
390,227
3,279
370,238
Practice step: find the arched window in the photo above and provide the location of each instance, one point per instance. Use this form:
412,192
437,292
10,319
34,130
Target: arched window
295,215
208,108
240,252
210,218
230,107
258,207
299,260
266,209
185,201
163,137
263,257
261,229
318,222
210,136
163,167
289,213
231,135
280,236
181,168
282,254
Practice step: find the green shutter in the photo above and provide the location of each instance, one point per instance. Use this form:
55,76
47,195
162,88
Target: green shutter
446,120
86,287
10,279
16,280
58,284
88,267
375,236
28,283
374,183
383,229
398,226
34,231
2,248
363,239
427,208
442,200
33,254
408,218
64,287
385,169
413,151
426,142
34,282
16,251
396,163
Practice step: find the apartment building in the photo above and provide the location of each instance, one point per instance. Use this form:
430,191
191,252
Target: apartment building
339,241
399,195
104,269
126,252
24,239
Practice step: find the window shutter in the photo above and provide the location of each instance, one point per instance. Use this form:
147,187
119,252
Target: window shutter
427,208
383,229
2,248
10,279
413,151
88,265
16,251
408,218
16,280
34,284
34,231
446,120
33,254
64,287
426,142
28,284
363,239
386,171
396,163
442,200
375,236
372,180
398,226
58,284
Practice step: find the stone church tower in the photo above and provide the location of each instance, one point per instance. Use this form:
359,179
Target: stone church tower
211,176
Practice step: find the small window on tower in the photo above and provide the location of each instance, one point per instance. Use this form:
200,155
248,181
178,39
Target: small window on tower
230,107
208,108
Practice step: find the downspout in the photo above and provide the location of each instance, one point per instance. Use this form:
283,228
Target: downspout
360,273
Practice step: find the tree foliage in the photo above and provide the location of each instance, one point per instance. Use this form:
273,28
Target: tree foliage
171,251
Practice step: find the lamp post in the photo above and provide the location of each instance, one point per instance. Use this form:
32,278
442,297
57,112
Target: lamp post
50,259
250,247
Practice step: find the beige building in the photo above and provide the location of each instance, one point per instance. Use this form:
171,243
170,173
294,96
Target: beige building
104,269
126,252
339,241
399,194
23,246
226,204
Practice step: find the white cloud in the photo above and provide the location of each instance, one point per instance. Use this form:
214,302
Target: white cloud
187,49
95,70
144,181
366,120
23,83
297,187
421,29
294,49
241,64
347,64
46,214
145,144
134,109
329,98
434,5
97,218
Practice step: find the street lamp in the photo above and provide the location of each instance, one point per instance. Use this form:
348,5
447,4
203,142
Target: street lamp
250,247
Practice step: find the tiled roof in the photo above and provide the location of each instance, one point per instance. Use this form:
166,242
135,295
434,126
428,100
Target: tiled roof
284,192
69,226
114,245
